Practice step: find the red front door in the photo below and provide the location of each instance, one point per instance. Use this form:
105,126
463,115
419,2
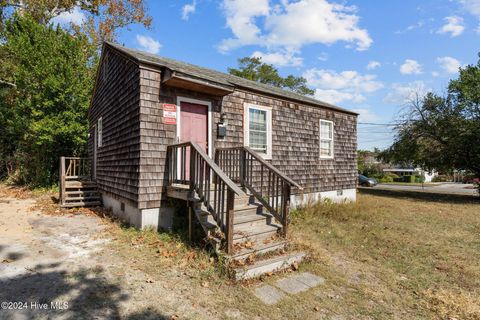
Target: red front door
194,125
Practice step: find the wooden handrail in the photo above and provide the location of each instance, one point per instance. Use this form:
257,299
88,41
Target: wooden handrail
72,168
259,158
212,165
270,186
205,179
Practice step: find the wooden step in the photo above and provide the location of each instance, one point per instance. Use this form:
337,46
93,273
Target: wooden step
81,192
95,198
208,223
274,264
257,234
259,249
81,204
78,184
250,218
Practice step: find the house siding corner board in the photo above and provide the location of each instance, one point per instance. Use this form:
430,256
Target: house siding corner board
295,141
116,100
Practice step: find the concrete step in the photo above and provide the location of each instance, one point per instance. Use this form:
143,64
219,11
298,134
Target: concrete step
259,249
262,267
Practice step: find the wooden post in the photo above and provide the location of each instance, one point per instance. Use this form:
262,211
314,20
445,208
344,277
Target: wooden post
190,221
62,180
285,207
192,173
242,167
229,218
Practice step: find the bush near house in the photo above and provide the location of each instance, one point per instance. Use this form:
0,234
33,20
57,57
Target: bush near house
442,178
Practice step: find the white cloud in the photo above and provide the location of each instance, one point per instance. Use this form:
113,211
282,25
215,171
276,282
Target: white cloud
404,93
291,25
148,44
334,87
76,16
448,64
366,115
454,26
323,56
240,15
372,65
188,9
411,67
472,6
281,59
412,27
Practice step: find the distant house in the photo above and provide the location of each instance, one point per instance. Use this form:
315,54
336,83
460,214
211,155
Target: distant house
161,129
411,171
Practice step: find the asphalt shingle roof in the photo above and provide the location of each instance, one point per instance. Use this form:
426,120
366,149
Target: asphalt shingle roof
220,77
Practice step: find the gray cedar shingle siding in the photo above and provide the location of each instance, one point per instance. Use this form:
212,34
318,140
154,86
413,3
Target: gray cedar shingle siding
295,141
116,100
131,163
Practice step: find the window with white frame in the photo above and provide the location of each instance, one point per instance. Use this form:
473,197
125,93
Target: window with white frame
99,132
258,129
326,139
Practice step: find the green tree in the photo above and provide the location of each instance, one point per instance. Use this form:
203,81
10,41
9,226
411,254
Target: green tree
103,17
442,132
254,69
44,115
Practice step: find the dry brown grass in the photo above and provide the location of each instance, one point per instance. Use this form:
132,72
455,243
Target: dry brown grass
383,257
413,258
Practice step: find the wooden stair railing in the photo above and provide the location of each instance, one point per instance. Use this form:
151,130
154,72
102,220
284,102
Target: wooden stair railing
189,164
73,170
270,186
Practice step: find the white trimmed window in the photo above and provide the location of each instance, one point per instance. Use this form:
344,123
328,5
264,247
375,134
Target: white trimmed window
258,129
326,139
99,132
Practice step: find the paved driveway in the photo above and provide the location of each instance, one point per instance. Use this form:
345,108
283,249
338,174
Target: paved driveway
442,188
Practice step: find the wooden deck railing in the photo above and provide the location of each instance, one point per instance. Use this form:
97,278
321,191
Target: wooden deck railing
270,187
73,168
189,164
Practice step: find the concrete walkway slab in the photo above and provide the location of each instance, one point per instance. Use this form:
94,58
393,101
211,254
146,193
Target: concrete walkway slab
292,285
310,280
268,294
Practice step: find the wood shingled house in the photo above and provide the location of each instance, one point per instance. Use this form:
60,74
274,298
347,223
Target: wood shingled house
240,152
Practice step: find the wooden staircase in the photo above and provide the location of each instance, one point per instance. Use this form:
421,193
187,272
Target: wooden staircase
250,227
77,188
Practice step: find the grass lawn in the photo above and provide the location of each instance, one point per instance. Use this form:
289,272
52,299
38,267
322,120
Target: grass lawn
426,184
382,258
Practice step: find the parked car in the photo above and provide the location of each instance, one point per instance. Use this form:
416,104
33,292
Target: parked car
366,181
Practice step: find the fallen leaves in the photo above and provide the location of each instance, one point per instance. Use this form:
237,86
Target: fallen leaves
295,266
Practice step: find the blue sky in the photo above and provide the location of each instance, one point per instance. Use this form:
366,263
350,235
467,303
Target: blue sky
367,56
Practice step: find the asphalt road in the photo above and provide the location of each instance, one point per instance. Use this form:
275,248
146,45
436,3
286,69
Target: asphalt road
441,188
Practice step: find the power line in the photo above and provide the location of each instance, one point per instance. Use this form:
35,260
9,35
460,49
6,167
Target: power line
379,124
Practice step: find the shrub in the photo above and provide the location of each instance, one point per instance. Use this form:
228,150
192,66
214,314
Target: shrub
386,179
409,179
419,179
442,178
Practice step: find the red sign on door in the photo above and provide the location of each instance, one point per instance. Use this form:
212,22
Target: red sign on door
169,113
